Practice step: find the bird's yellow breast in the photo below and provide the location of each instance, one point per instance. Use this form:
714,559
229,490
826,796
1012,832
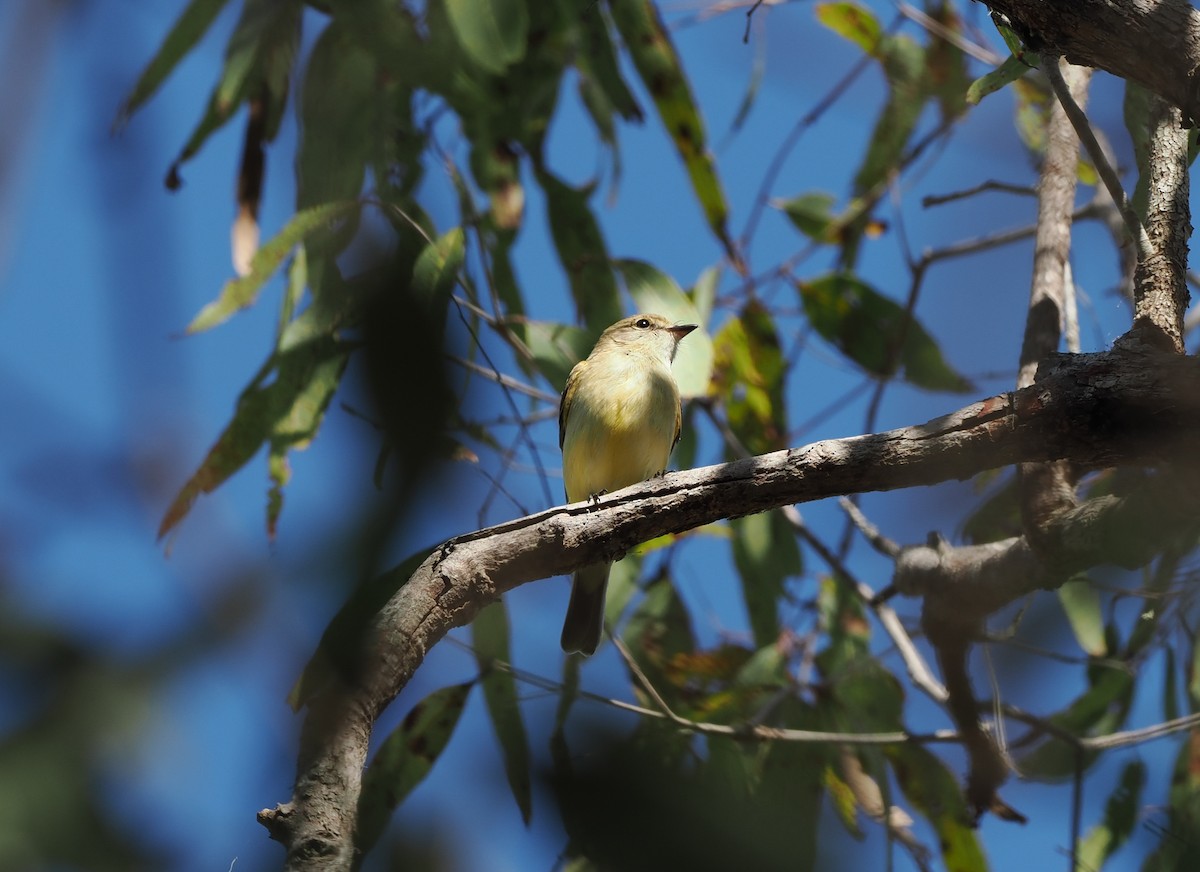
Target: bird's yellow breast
619,424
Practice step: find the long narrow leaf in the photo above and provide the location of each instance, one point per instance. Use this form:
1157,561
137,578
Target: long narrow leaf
405,758
489,635
659,66
186,32
262,414
238,294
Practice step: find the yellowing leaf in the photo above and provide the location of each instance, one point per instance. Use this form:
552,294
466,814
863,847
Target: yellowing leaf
748,374
852,21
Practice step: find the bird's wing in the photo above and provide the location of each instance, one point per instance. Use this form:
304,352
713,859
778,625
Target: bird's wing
568,396
678,421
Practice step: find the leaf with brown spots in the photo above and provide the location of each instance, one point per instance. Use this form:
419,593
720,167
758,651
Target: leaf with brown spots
405,758
658,64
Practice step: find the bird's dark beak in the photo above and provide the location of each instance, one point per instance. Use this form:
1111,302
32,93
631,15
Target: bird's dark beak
681,330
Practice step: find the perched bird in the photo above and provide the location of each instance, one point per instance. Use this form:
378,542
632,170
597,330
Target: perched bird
619,420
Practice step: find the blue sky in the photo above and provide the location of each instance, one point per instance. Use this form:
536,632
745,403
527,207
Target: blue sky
108,409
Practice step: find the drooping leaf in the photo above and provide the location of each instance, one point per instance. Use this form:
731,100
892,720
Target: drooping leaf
238,294
852,21
748,376
582,252
1016,45
340,107
766,555
868,697
904,66
602,89
1121,814
792,782
935,793
1009,71
286,408
876,333
489,637
1033,112
1170,685
622,585
187,31
946,63
297,427
658,64
566,699
655,291
492,32
258,62
730,683
1100,709
435,274
864,695
405,758
765,668
843,800
811,213
598,64
845,623
1081,603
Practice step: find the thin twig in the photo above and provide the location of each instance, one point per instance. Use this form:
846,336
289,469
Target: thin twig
991,185
764,733
1076,809
918,670
979,52
525,435
505,380
881,543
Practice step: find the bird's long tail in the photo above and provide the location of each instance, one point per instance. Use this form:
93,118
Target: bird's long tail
585,612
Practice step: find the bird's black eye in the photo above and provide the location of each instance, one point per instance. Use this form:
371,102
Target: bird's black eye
642,323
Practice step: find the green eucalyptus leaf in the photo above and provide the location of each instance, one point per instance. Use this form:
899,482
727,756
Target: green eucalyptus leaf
405,758
489,637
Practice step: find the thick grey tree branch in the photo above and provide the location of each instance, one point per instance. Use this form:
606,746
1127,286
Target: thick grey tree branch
1134,405
1153,42
1047,487
1160,292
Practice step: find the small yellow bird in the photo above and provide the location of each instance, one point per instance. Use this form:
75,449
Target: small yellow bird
619,420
